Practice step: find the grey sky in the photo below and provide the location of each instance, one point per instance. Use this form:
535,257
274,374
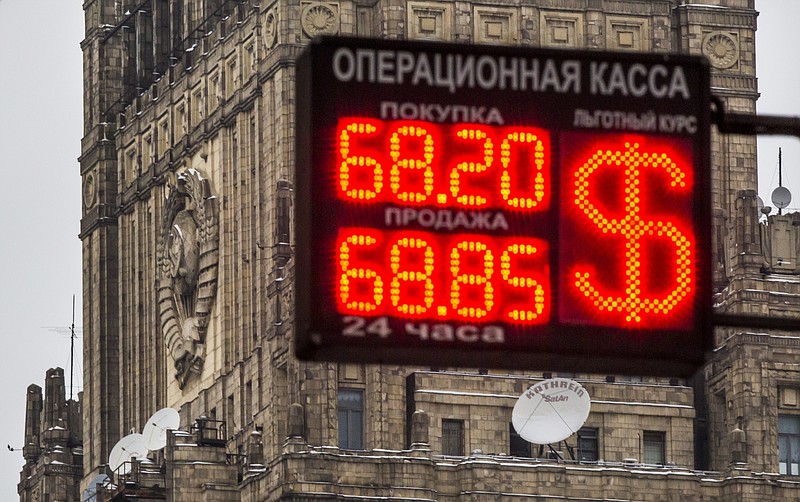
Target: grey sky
40,254
778,71
40,132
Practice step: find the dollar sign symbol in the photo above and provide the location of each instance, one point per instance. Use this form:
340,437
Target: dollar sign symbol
633,228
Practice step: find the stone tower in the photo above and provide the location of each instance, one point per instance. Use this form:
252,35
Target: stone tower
52,451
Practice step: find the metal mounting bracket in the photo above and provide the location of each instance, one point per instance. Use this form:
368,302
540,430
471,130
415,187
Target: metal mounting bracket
745,123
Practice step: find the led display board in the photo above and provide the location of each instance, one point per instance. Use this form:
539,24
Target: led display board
480,206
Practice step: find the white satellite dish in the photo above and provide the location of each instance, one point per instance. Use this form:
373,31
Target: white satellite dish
155,430
90,493
126,449
781,197
551,411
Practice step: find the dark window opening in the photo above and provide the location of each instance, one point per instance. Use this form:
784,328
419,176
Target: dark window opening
518,447
453,437
789,444
588,450
653,443
350,404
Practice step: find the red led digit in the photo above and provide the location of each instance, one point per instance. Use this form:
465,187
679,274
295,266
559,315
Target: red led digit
414,274
470,134
516,272
411,262
634,228
525,159
360,176
478,260
411,149
422,163
360,288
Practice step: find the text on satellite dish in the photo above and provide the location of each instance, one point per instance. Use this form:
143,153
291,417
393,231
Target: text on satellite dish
554,384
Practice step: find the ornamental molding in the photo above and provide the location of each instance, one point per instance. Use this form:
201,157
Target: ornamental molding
318,18
89,191
721,49
271,28
188,260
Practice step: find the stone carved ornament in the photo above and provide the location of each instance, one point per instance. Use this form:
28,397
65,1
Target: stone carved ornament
319,19
271,28
721,49
188,259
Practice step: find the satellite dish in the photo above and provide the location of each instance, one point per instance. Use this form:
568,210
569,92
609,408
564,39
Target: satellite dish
781,197
551,411
90,493
126,449
155,430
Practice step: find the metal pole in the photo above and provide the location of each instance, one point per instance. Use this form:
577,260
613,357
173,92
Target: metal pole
72,348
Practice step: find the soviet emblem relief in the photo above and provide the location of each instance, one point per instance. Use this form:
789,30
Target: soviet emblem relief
188,259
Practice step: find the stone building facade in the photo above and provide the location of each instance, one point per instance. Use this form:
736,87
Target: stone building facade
187,168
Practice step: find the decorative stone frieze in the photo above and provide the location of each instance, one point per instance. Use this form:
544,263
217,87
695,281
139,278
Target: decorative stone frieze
496,25
561,29
430,20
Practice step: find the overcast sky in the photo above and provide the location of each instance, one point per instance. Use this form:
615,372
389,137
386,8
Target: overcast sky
40,132
778,71
40,254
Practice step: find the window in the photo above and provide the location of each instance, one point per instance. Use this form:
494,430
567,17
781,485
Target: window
128,171
230,77
283,222
149,150
231,415
162,139
789,444
214,94
519,447
248,403
653,442
350,403
588,450
180,121
248,65
453,437
196,108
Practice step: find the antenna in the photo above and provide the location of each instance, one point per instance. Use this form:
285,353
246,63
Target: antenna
155,430
781,196
73,334
551,411
72,349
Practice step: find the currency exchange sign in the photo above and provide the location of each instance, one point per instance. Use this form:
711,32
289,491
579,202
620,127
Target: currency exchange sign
475,206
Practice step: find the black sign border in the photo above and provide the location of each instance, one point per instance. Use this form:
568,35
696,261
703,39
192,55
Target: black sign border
618,351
